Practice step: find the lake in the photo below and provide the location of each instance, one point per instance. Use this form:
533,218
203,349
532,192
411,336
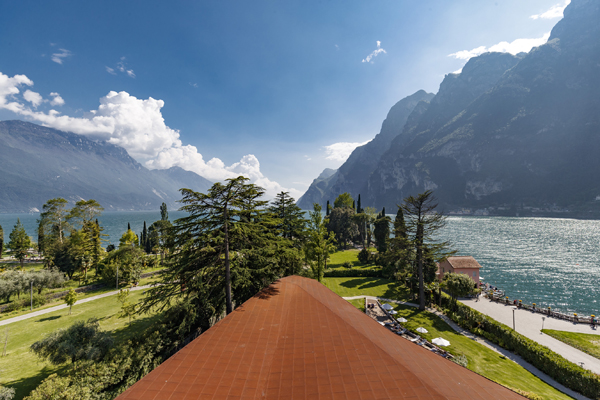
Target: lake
548,261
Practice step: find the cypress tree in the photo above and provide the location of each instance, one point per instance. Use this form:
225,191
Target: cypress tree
128,226
1,241
359,206
383,212
327,209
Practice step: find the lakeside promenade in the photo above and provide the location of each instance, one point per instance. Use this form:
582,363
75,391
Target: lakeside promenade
529,324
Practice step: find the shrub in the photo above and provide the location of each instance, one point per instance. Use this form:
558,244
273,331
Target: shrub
364,256
14,306
39,300
347,265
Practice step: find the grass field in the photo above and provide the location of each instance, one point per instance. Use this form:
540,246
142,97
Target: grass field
586,342
379,287
481,359
23,371
338,258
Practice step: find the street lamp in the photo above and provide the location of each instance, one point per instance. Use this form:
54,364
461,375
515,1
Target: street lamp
31,295
514,308
543,319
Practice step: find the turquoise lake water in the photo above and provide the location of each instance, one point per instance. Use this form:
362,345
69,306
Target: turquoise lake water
547,261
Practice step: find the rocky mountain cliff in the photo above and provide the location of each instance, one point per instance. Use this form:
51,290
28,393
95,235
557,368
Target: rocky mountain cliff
38,164
353,174
519,133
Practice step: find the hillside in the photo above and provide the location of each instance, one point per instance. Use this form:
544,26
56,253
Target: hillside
39,163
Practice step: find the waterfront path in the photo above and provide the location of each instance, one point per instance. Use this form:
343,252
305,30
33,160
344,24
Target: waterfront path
529,324
511,356
62,306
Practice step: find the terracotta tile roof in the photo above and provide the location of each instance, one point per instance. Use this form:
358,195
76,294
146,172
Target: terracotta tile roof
463,262
299,340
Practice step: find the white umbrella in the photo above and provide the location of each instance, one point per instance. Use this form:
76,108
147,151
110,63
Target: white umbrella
440,342
393,312
422,330
381,323
386,307
401,319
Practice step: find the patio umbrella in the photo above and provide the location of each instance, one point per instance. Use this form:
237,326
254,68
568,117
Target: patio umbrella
381,323
401,319
440,342
393,312
422,330
386,307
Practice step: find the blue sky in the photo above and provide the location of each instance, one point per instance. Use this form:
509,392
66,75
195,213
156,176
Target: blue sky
276,91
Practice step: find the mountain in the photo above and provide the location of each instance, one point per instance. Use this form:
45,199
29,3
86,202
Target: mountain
352,175
39,163
518,134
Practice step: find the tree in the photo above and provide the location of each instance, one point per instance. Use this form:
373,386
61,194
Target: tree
422,222
458,285
158,237
54,218
290,218
381,232
344,200
144,242
319,244
129,261
70,299
341,222
164,214
129,238
127,309
19,243
227,229
327,209
85,211
1,241
81,341
371,216
358,205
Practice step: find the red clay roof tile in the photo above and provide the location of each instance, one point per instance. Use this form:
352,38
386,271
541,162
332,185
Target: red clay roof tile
299,340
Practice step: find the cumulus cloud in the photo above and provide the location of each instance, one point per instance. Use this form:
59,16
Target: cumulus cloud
56,99
341,151
375,53
136,125
60,56
515,47
556,11
34,98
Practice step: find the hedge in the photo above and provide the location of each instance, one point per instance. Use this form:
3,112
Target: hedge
353,273
560,369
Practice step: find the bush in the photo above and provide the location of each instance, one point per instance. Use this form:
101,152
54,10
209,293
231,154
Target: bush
347,265
563,371
14,306
364,256
39,300
353,273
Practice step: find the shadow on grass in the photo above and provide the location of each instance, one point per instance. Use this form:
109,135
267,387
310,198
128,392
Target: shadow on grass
137,326
423,318
49,318
24,386
389,289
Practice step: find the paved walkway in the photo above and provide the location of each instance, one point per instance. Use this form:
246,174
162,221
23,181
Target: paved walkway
56,308
511,356
529,324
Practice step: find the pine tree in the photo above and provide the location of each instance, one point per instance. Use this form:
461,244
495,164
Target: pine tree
358,206
290,217
327,209
19,242
164,214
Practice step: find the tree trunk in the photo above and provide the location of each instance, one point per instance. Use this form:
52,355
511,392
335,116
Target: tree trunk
420,267
228,306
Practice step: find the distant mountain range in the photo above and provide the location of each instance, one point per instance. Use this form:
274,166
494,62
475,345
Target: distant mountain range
509,134
38,164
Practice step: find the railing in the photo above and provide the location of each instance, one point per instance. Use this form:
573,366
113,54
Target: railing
575,318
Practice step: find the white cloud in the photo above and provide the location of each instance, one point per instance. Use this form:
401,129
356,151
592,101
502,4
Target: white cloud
515,47
59,57
556,11
375,53
34,98
56,99
138,126
341,151
121,66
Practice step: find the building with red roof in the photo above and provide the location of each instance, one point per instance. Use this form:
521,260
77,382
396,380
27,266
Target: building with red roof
460,265
298,340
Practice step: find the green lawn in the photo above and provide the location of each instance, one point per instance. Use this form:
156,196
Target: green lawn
379,287
23,371
338,258
586,342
